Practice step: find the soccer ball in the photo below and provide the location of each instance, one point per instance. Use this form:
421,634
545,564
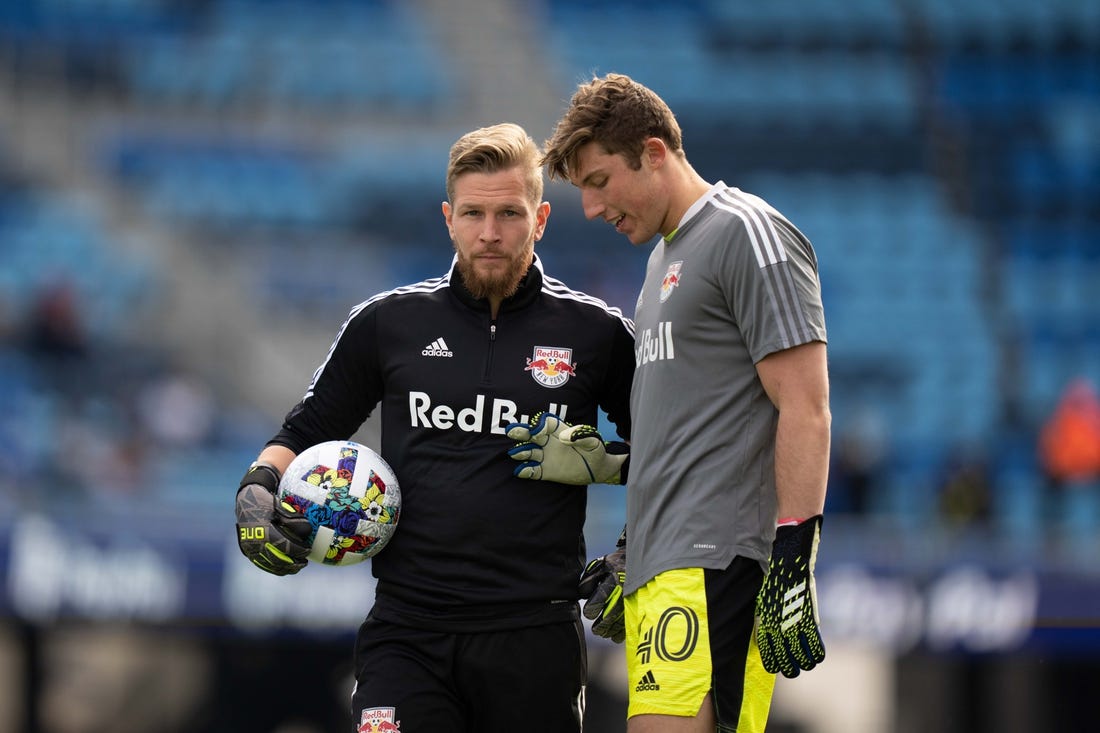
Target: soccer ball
349,494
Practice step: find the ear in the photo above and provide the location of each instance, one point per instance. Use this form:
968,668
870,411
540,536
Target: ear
448,213
654,152
542,213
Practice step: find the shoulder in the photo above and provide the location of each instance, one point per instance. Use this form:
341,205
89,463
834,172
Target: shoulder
410,294
738,203
752,221
741,212
399,305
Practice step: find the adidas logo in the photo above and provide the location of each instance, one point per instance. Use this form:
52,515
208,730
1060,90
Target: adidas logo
648,682
437,348
794,602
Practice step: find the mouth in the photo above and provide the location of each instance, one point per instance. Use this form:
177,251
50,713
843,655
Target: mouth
618,222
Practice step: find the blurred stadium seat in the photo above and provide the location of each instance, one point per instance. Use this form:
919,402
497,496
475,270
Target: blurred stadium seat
941,155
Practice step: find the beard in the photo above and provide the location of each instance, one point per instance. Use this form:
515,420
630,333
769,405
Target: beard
497,284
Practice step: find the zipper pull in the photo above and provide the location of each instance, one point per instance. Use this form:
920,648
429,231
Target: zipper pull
493,331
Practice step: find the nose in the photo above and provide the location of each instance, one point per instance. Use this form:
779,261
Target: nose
591,204
489,231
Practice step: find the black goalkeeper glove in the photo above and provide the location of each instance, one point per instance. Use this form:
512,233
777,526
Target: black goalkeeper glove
786,607
602,586
551,449
272,534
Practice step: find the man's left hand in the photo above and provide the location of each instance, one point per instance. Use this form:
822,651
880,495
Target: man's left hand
787,627
602,588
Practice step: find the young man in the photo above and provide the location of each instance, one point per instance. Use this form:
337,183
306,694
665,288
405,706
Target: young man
475,626
730,408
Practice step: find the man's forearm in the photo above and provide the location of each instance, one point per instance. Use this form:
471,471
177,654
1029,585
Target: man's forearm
802,461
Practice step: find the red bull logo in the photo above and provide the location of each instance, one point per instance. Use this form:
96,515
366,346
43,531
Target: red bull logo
670,280
379,720
551,366
654,345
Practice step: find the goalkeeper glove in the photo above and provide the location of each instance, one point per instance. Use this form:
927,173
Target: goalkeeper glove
787,630
270,533
553,450
602,585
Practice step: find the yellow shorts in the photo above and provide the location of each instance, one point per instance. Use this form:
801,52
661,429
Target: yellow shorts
673,659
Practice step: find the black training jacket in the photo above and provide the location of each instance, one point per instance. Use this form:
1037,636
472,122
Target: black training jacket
475,548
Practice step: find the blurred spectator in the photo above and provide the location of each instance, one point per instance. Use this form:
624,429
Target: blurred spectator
1069,441
1069,454
55,329
54,335
965,494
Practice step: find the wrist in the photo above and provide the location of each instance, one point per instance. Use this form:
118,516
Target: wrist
263,473
624,469
795,520
618,452
797,532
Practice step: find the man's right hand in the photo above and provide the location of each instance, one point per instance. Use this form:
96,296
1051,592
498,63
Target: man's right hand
272,534
550,449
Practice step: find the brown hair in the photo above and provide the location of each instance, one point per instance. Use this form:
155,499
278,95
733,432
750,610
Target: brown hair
618,114
496,148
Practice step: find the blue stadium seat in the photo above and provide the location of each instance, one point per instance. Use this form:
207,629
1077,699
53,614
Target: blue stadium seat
1018,505
286,53
794,22
1079,513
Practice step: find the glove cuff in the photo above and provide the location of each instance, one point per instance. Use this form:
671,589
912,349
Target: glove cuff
263,473
799,540
788,527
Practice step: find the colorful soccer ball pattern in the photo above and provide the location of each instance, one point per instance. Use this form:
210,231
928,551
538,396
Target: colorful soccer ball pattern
351,497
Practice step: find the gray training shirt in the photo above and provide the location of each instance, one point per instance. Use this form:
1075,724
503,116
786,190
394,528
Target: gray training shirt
736,282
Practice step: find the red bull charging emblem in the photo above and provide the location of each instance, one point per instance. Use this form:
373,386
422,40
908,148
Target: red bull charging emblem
379,720
551,366
671,279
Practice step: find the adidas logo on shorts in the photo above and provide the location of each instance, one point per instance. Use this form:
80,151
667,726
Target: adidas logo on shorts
648,682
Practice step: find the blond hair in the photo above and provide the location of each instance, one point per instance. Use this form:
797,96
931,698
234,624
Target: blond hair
496,148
